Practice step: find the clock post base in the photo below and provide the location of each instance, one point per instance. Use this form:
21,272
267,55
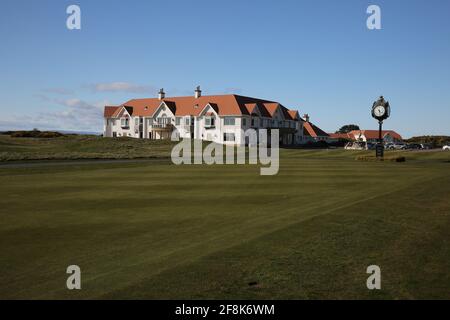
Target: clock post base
379,150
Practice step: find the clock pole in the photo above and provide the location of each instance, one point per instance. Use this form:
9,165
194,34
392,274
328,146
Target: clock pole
380,130
381,110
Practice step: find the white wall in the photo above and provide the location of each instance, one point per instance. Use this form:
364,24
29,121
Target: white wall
200,131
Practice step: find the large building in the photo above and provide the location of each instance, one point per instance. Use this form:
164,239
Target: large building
217,118
369,136
313,133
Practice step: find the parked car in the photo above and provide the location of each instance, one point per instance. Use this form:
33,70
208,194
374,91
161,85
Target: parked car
426,146
388,145
413,146
446,147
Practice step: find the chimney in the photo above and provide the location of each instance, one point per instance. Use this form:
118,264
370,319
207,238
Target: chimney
161,94
306,117
198,92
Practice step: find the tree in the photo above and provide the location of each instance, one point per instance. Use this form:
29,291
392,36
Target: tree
347,128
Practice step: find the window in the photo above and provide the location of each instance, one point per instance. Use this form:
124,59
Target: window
253,122
209,121
229,121
187,121
124,122
136,121
177,121
150,121
228,137
244,122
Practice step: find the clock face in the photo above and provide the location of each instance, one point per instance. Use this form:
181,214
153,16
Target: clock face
379,111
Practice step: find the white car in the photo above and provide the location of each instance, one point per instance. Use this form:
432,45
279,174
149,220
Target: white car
446,147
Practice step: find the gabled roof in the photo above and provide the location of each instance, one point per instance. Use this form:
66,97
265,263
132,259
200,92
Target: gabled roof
224,105
294,114
109,111
129,110
373,134
310,129
252,108
271,108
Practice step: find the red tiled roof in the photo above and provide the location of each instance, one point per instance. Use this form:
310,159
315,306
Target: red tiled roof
373,134
109,111
271,108
294,114
223,104
310,129
251,108
339,136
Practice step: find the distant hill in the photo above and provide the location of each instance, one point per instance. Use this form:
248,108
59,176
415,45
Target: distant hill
45,134
79,132
435,141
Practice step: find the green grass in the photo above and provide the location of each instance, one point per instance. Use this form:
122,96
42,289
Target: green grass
156,230
80,147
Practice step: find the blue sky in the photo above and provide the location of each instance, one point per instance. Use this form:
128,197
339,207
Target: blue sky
314,56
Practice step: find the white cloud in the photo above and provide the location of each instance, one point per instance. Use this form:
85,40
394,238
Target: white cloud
77,115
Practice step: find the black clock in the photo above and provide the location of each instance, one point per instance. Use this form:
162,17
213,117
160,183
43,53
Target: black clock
381,109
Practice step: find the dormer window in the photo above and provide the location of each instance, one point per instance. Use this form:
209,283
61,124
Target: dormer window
209,122
124,122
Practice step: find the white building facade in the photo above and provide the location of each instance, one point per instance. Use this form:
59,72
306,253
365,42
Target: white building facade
221,119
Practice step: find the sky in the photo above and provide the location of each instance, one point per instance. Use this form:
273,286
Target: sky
315,56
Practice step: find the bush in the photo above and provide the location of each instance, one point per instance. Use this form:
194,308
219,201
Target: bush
36,134
374,158
341,142
315,145
50,134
